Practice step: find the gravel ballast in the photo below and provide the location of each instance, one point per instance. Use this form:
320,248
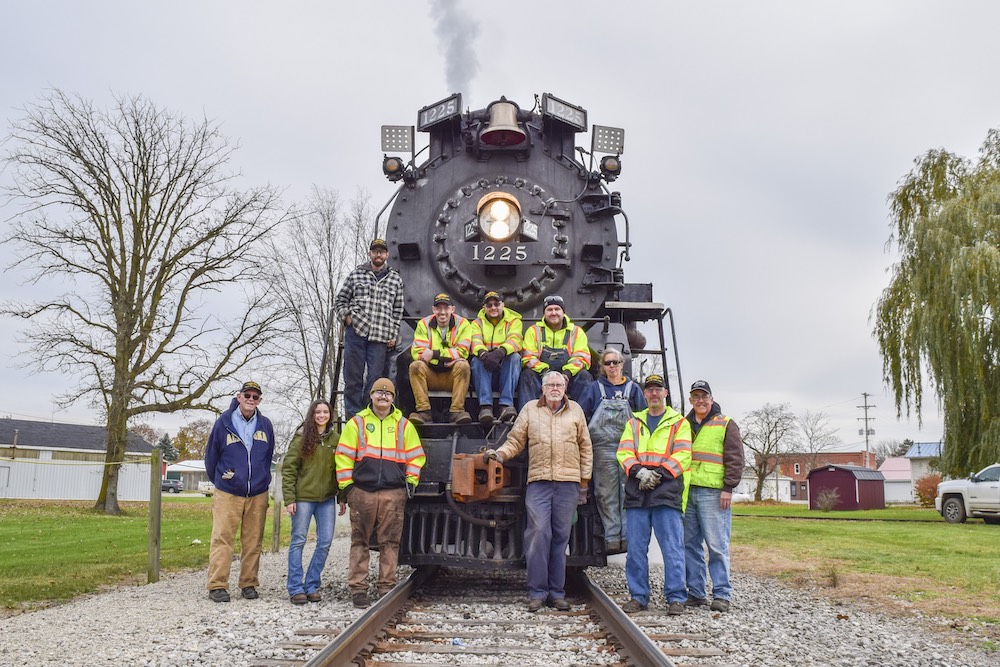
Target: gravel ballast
173,624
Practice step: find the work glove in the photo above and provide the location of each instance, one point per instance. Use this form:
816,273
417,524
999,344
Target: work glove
569,377
492,359
648,479
492,455
582,498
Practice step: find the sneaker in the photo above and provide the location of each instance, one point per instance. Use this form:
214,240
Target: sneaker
218,595
534,604
462,417
299,598
675,609
250,593
421,417
560,604
718,604
692,601
314,596
508,414
633,606
360,600
486,415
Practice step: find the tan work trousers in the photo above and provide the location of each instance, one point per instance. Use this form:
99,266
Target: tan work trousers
229,514
456,379
381,512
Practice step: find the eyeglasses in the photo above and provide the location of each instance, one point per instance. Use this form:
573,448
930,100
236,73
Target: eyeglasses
492,304
383,392
613,362
251,397
552,386
700,397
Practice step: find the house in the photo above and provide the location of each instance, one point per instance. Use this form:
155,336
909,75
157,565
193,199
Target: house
924,458
898,482
796,466
191,472
857,487
748,486
49,460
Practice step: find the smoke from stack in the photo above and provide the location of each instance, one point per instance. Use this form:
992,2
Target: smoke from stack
456,32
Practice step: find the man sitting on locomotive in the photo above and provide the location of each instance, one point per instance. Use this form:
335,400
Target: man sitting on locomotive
554,343
496,340
441,345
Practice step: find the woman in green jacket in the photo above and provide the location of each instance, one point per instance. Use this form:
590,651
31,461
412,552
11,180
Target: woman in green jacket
309,484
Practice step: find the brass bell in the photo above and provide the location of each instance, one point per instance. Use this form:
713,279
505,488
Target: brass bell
502,129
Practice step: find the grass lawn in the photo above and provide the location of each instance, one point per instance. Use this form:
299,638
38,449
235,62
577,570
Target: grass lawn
55,550
899,559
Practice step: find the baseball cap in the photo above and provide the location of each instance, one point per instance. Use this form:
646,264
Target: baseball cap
653,380
701,385
442,298
384,384
492,295
252,385
378,243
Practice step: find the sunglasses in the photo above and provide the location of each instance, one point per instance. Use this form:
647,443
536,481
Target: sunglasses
613,362
251,397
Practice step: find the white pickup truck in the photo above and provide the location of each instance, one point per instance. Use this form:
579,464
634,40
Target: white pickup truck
977,496
206,488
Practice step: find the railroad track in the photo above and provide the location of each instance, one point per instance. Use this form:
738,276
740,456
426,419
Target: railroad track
436,618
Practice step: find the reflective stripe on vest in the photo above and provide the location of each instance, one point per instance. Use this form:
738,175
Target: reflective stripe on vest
706,453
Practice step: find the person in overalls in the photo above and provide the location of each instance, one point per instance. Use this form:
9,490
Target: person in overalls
608,405
554,344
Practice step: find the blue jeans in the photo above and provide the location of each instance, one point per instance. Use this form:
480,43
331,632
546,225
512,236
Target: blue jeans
550,507
668,525
706,524
529,387
326,516
505,380
364,362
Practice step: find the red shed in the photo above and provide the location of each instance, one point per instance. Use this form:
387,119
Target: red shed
858,488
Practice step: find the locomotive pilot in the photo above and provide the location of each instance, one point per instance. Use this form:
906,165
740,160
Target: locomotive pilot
496,340
440,352
554,343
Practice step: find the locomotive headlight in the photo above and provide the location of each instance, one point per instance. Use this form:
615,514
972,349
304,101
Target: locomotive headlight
499,216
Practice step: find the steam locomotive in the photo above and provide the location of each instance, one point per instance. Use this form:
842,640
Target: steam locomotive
503,200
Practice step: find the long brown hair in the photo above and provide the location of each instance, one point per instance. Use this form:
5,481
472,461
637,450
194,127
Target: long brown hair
310,434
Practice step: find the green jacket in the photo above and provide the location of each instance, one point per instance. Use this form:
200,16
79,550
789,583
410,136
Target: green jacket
311,479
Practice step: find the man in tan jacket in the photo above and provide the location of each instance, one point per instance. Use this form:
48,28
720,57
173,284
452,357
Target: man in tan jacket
560,460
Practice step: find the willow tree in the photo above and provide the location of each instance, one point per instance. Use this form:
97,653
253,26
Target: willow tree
936,321
134,209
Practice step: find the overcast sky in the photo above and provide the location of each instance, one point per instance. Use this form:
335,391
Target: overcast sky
761,141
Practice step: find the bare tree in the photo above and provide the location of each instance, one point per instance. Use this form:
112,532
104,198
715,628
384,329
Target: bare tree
135,208
767,432
816,436
888,448
313,256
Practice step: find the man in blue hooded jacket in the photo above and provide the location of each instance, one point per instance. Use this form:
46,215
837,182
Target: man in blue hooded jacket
238,461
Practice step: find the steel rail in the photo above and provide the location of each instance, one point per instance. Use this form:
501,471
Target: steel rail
343,650
637,650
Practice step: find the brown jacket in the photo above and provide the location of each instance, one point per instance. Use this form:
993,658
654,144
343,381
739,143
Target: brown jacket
558,443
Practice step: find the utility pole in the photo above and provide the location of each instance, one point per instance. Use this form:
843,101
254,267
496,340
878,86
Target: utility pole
867,431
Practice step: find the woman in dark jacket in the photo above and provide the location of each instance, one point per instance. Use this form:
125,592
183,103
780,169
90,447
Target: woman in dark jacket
309,483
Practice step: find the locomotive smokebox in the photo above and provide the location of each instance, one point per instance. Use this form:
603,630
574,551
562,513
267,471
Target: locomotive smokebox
502,202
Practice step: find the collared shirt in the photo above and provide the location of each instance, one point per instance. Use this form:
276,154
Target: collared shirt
374,301
245,427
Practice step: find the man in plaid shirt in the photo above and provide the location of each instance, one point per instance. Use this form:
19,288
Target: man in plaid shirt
370,304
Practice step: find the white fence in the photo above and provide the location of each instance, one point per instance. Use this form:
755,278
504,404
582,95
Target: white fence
45,479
